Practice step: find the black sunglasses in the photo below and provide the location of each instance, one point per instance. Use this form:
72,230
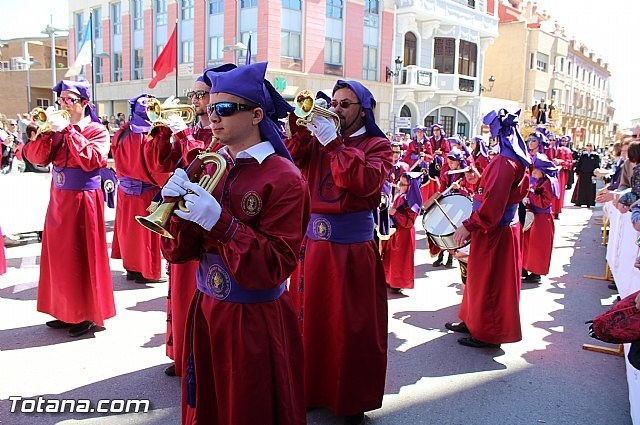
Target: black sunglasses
197,94
344,103
225,109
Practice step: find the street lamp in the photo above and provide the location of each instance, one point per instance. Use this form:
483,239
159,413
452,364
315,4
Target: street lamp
492,81
390,73
50,30
28,64
238,47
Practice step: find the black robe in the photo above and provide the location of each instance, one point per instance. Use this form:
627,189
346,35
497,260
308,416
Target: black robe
585,191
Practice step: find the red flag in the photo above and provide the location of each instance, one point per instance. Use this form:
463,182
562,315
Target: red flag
166,61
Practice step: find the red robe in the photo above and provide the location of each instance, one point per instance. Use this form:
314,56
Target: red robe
536,256
75,277
163,156
480,162
138,247
341,287
563,153
491,296
248,357
415,148
3,259
397,257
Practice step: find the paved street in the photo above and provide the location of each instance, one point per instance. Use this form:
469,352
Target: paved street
545,379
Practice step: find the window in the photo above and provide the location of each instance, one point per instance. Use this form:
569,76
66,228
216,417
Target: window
138,17
333,51
187,51
97,23
78,19
159,48
216,7
116,18
561,64
187,10
569,68
471,3
371,14
410,46
117,66
292,4
138,60
4,66
447,123
334,9
161,12
97,63
542,62
216,44
248,3
371,6
16,64
467,56
444,55
290,44
42,103
370,63
244,37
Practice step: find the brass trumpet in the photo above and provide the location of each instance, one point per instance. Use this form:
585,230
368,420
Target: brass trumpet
306,107
158,220
157,112
41,118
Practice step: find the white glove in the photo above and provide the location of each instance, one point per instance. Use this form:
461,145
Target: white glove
323,128
173,187
203,207
58,122
175,123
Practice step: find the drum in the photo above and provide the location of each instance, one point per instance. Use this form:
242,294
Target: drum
528,221
439,229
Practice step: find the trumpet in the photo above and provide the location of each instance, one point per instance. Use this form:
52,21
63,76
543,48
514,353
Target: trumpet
41,118
306,107
158,112
158,220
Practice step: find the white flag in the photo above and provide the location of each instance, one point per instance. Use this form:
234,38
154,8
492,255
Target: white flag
84,54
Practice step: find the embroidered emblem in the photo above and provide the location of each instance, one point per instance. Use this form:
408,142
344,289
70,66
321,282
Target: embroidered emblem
109,186
218,282
251,203
480,190
59,178
322,228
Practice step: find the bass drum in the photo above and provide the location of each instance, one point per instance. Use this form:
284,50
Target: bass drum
439,229
528,221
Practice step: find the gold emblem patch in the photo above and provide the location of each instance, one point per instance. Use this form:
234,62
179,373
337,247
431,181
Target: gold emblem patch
251,203
59,178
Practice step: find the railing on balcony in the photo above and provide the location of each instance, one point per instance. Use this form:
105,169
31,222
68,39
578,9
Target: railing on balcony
466,85
418,77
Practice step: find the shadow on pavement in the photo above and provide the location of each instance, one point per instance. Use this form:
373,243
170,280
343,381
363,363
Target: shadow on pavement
155,304
37,336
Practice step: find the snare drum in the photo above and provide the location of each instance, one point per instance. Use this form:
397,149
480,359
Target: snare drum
439,229
528,221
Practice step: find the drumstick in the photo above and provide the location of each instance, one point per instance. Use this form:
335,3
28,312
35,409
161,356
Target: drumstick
445,214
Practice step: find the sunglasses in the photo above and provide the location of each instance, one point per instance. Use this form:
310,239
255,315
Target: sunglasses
69,100
636,136
532,140
197,94
226,109
344,103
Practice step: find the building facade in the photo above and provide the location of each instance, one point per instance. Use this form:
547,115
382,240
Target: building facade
440,50
308,44
26,71
533,62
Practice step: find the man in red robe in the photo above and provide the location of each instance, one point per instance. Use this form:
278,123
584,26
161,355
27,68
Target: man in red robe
564,160
164,156
340,279
138,248
490,304
75,279
244,354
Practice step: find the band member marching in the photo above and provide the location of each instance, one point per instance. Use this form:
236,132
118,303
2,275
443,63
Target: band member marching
244,352
480,153
138,248
564,161
536,256
75,278
340,279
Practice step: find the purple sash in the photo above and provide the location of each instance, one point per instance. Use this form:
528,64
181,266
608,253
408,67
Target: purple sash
537,210
134,187
67,178
341,228
509,216
213,279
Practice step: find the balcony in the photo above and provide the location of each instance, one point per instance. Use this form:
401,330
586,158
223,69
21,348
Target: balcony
450,12
413,78
418,78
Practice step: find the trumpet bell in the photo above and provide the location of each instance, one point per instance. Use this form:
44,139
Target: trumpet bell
306,108
41,118
158,221
157,113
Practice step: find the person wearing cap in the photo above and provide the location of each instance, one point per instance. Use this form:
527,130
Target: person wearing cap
399,251
419,152
544,188
340,279
489,309
585,191
75,278
458,143
564,161
138,248
438,140
243,356
381,218
164,156
479,153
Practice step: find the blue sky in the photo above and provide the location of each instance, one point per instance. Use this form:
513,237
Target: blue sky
608,31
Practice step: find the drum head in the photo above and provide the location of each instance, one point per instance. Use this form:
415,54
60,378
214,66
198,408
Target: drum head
458,208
